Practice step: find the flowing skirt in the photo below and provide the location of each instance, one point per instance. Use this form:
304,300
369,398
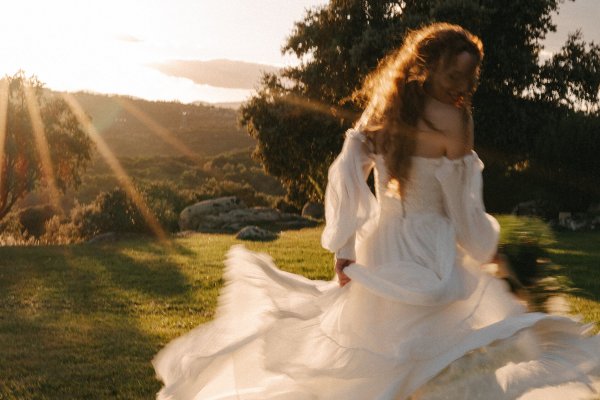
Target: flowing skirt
418,320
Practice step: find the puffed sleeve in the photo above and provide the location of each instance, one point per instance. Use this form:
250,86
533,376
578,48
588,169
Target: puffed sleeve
349,203
476,231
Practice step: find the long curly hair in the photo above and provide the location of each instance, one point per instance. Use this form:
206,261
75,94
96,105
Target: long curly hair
393,93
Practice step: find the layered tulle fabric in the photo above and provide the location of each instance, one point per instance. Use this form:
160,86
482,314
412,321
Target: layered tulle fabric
419,319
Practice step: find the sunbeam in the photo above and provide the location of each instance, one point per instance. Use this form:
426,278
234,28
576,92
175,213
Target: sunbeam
41,142
157,129
115,166
319,107
3,121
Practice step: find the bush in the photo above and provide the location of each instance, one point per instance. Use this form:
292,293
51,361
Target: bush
34,218
166,202
111,211
523,240
58,231
13,233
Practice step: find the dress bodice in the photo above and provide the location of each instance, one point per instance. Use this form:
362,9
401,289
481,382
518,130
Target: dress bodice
423,193
448,188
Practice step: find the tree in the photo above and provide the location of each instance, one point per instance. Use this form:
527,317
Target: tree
69,147
298,116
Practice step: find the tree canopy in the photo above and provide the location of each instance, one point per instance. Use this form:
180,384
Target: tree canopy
299,115
22,169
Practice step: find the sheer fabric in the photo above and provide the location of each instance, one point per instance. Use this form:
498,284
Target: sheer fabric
418,320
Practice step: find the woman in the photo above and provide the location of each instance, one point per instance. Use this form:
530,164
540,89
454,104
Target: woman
411,314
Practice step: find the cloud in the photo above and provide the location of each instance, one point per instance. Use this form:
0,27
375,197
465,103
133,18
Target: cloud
219,73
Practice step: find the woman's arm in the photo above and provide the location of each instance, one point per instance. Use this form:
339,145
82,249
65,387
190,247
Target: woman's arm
349,203
461,180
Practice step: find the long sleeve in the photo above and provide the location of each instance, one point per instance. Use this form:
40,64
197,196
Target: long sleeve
476,231
349,203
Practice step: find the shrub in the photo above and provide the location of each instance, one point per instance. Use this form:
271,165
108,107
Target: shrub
166,202
523,240
13,233
34,218
58,231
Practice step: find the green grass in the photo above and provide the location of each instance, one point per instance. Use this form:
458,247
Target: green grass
577,265
84,321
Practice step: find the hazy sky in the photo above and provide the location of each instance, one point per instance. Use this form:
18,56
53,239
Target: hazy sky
113,46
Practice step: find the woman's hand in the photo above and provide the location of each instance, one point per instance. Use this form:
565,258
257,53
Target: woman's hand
340,264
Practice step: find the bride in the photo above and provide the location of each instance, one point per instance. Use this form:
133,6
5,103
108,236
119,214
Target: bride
411,314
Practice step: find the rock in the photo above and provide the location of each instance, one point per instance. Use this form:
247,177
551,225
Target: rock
297,224
575,222
191,216
563,217
313,210
253,232
228,215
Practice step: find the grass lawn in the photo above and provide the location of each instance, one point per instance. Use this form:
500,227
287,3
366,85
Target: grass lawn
577,264
84,321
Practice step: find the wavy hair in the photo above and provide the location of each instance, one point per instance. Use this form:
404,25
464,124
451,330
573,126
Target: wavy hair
394,95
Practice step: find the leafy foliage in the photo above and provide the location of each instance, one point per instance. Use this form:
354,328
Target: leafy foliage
69,146
298,116
572,76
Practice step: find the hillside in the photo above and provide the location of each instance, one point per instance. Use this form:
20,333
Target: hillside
210,132
206,130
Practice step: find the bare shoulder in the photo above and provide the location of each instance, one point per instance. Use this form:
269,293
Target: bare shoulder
454,126
459,132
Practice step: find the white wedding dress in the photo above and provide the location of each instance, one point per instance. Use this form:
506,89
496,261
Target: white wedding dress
419,319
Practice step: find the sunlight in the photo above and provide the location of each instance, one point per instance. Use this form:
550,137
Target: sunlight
108,46
41,143
157,129
3,119
115,166
319,107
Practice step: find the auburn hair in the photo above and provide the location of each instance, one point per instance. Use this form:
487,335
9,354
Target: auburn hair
393,95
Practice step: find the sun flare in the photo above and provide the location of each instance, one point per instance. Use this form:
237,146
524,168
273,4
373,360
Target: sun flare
116,167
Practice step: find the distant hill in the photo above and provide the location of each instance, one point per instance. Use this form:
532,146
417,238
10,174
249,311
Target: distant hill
206,130
220,73
234,105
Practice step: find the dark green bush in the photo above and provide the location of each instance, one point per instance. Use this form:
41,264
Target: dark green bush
34,218
523,241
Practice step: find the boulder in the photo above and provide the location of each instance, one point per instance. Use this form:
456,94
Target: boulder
229,215
253,232
191,216
578,221
313,210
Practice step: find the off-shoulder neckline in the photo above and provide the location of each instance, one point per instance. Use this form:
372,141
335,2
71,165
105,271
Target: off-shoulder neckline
441,158
358,133
446,159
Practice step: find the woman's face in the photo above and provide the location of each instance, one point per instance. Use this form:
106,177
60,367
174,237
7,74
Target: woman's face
451,80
